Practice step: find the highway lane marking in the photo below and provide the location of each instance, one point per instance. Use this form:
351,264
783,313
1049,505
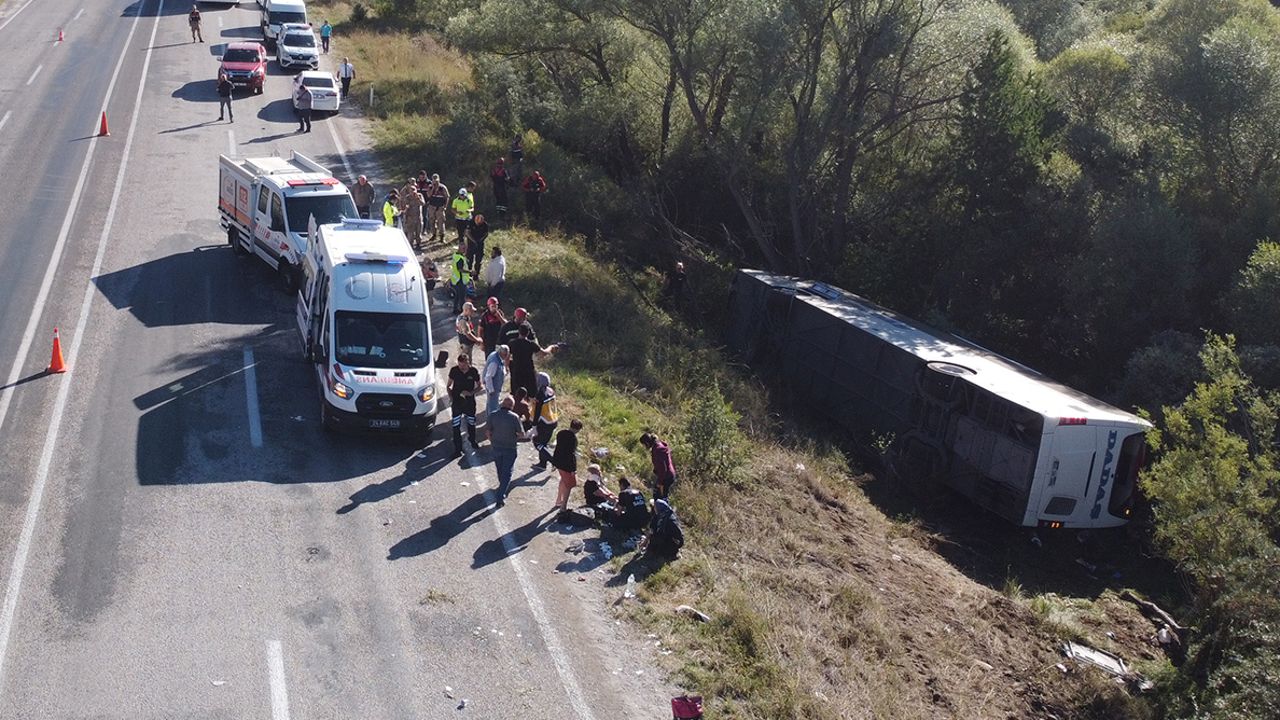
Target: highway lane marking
219,21
559,658
8,20
251,398
78,14
23,549
34,74
342,153
279,691
231,142
5,119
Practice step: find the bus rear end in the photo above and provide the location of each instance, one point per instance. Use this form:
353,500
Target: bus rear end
1089,474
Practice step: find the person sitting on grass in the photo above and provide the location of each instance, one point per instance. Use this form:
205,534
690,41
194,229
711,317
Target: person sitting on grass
598,496
631,511
664,537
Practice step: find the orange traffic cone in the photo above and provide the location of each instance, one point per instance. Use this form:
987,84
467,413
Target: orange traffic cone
56,364
102,127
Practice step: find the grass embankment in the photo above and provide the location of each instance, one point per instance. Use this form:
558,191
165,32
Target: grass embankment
821,606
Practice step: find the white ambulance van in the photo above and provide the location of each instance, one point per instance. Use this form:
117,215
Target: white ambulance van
364,321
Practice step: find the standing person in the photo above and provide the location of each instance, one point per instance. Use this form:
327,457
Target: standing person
494,378
511,330
193,19
411,214
517,156
545,419
225,88
391,209
675,283
495,274
346,73
326,31
475,244
664,469
501,178
303,102
463,381
437,199
466,327
523,351
565,460
459,276
491,322
461,208
362,194
503,428
534,186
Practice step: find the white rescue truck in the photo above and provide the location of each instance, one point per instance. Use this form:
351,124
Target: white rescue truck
266,204
364,321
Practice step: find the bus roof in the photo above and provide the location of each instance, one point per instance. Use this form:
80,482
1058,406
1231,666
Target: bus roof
988,370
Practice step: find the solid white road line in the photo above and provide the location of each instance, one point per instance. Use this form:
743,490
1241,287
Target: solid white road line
342,153
34,74
231,142
559,657
251,398
5,119
279,691
23,550
219,21
8,20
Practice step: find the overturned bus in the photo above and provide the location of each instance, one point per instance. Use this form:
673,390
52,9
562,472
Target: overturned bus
955,415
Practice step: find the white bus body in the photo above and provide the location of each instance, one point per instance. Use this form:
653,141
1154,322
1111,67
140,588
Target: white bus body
1013,441
364,321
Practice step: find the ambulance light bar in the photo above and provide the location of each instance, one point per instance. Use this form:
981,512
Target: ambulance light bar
373,257
304,183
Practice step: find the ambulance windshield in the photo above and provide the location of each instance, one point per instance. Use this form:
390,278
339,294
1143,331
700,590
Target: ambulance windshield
381,340
326,208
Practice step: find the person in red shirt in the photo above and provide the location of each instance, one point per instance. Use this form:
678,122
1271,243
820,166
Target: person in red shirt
534,186
491,323
664,469
501,179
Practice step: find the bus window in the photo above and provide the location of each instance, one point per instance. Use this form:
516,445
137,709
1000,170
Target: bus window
1133,454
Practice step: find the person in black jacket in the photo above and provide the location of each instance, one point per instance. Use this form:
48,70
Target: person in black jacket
224,96
565,459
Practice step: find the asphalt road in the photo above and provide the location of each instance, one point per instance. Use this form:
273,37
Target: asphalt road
155,562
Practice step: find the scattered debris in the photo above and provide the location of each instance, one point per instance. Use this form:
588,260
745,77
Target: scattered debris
464,483
984,665
297,418
435,597
630,591
693,612
1108,662
800,468
448,692
462,705
218,683
600,453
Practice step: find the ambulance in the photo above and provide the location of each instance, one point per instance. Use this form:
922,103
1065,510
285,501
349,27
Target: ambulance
266,205
364,323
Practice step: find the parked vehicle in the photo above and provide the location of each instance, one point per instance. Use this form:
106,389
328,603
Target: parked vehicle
266,205
363,321
278,13
297,47
325,95
952,414
245,65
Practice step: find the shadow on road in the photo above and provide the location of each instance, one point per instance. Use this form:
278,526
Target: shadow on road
279,111
152,8
205,91
492,551
442,529
419,467
248,32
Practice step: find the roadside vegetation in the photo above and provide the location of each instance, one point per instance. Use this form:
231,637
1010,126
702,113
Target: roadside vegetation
1085,187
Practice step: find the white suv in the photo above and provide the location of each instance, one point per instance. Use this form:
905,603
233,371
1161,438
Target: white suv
296,47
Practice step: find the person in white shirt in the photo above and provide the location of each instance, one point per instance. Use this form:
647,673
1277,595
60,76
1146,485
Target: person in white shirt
495,273
346,73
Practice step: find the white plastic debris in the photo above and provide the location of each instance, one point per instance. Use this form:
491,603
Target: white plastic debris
464,483
448,692
800,467
600,452
218,683
630,592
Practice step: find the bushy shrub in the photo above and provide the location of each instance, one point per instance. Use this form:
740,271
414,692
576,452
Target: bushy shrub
713,443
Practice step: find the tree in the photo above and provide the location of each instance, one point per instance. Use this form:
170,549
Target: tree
1252,303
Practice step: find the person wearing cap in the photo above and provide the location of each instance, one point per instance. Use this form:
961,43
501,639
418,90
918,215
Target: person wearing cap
362,194
534,186
465,325
411,214
424,182
391,209
193,19
464,380
459,276
501,178
495,273
491,322
494,377
523,351
461,208
437,196
511,330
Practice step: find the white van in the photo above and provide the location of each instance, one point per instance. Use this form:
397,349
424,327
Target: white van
364,322
278,13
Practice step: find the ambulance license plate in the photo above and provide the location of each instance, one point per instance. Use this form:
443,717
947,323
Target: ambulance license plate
388,424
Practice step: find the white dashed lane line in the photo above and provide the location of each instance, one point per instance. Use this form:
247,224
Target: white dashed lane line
5,119
279,691
34,74
251,398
